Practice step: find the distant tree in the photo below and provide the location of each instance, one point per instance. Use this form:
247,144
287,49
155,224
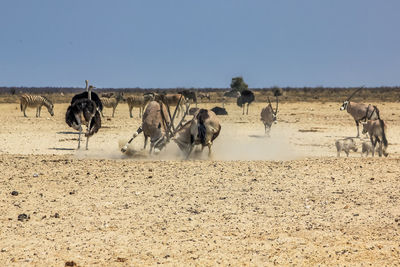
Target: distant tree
238,84
12,91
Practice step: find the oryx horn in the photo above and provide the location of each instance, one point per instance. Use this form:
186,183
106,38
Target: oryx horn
348,99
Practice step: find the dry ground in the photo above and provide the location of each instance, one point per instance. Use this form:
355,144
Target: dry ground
259,201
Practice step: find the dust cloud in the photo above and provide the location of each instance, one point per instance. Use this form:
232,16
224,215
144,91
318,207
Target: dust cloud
230,145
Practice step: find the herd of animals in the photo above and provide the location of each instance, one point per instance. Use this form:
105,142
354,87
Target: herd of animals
158,121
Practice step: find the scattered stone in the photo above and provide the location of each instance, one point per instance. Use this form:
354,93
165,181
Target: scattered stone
35,175
14,193
23,217
119,259
56,215
70,263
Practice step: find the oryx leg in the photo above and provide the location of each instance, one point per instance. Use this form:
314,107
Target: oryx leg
373,142
380,147
130,111
151,147
189,151
145,141
358,128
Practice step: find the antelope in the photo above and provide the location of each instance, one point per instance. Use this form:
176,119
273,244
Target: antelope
201,130
158,124
346,145
359,111
112,102
376,130
246,96
35,101
268,116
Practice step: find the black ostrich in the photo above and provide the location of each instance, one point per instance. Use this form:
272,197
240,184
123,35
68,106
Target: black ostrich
246,96
84,110
85,95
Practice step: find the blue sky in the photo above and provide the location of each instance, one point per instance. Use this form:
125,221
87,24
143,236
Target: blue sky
188,43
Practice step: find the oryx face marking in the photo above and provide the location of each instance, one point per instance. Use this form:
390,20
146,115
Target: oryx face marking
344,105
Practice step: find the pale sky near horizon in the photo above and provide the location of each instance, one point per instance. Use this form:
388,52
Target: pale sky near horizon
188,43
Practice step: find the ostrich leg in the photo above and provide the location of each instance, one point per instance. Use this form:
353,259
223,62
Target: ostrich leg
88,131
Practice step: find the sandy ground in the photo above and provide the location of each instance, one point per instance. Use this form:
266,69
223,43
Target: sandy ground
281,200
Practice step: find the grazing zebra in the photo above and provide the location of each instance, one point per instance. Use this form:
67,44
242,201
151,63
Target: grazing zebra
111,102
35,101
140,102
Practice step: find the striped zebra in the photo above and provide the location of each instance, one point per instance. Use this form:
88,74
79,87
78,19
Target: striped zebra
139,102
35,101
111,102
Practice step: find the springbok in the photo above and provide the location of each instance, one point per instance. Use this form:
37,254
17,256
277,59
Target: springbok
268,115
359,111
376,130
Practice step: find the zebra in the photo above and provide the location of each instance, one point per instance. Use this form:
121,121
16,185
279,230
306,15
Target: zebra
35,101
111,102
138,101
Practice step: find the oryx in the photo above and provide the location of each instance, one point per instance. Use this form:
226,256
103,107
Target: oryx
268,115
376,130
201,130
359,111
158,124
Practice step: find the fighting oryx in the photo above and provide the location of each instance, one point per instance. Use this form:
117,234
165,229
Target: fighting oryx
201,130
158,124
268,115
359,111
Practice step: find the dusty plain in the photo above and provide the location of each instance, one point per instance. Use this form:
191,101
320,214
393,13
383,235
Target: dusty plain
283,200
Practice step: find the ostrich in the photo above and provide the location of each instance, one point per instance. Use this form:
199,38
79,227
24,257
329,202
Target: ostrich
246,96
84,110
85,95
